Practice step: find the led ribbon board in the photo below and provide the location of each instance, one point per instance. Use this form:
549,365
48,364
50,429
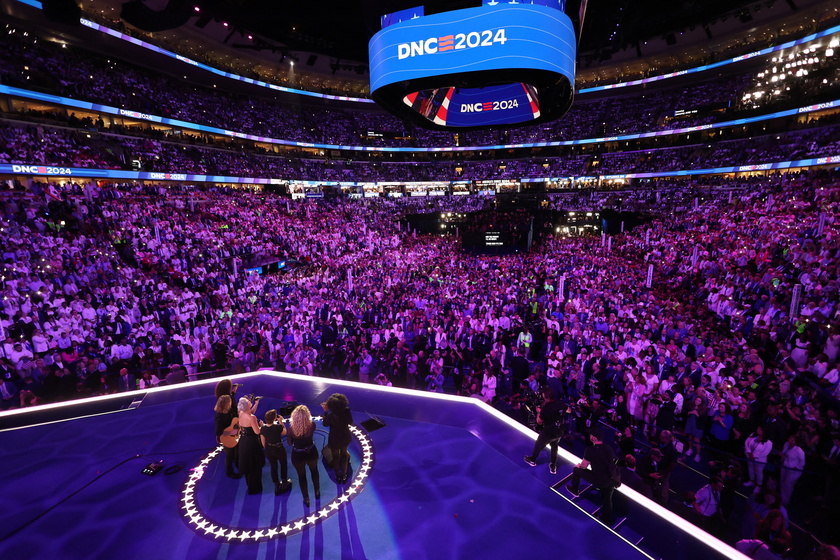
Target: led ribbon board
499,64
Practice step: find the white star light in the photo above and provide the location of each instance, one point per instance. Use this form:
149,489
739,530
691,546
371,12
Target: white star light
286,529
300,524
220,532
272,533
312,518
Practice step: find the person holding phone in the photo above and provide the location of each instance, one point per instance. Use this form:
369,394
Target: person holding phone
271,435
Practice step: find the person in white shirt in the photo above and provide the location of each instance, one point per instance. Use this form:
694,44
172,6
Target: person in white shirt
504,322
793,461
488,387
707,502
40,343
18,353
757,449
121,351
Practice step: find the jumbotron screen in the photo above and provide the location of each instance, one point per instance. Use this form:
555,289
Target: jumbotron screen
496,64
474,107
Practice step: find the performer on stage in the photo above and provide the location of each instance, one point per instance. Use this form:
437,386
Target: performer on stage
304,452
226,387
338,418
224,421
251,457
271,434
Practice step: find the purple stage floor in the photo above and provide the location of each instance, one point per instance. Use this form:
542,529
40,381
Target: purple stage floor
444,479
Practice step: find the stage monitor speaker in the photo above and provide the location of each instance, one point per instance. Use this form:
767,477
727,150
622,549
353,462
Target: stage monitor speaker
152,468
175,14
62,11
373,423
286,410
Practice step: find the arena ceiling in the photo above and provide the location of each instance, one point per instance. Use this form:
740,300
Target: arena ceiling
325,41
341,28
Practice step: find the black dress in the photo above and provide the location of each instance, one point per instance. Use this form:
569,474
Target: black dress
251,459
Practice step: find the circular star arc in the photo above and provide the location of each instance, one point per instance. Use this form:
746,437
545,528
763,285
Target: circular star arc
196,520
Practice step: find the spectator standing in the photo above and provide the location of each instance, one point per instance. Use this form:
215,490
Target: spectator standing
793,461
757,448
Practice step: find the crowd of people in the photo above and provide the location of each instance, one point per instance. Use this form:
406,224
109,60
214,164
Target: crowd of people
102,294
66,147
725,352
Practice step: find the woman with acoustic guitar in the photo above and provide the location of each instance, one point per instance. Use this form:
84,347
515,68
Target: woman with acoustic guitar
227,432
251,456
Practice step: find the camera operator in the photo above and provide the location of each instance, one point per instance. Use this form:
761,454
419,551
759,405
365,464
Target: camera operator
596,468
550,417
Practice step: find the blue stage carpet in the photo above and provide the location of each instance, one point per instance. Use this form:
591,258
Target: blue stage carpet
435,491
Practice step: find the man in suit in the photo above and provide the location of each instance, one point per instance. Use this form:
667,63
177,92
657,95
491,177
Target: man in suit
520,369
650,472
663,367
630,477
126,381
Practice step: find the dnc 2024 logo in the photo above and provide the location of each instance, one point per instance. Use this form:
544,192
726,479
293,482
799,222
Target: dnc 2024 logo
456,42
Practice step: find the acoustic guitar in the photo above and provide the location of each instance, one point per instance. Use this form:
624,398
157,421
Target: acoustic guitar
230,436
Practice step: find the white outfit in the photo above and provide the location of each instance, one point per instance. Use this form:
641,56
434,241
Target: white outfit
757,453
794,462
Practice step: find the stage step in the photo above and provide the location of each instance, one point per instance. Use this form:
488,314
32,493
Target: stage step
650,553
629,534
575,498
138,400
589,506
563,481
